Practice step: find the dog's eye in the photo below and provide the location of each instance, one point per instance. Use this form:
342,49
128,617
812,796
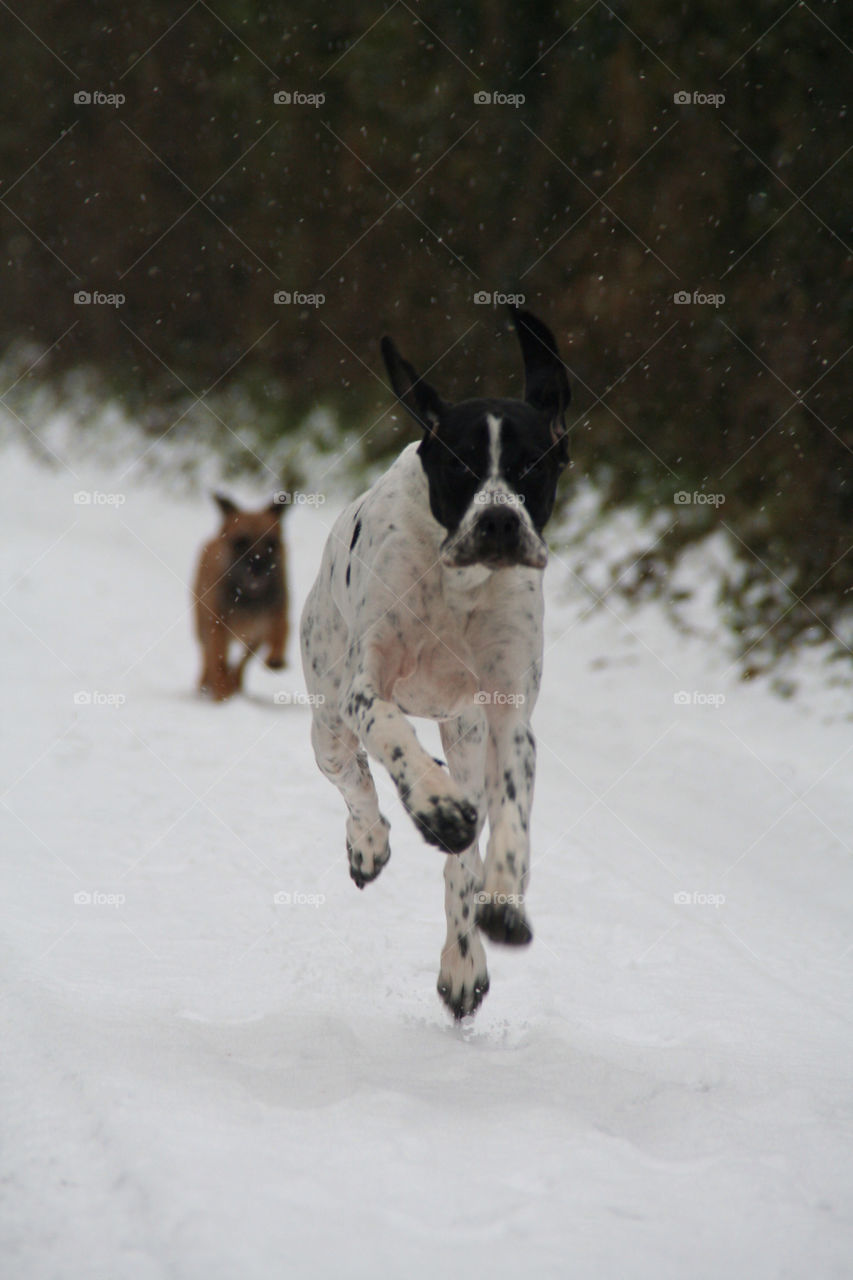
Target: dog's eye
458,466
241,546
527,470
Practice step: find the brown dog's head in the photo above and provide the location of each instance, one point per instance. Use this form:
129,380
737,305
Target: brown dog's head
255,554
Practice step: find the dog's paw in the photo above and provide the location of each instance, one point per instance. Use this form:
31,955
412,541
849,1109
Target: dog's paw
368,851
463,979
446,822
503,922
359,874
276,664
217,692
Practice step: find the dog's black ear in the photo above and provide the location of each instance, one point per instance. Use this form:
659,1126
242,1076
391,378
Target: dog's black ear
226,506
546,386
416,396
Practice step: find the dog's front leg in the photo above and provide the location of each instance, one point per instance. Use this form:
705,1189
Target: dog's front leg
217,678
436,804
278,640
463,978
510,772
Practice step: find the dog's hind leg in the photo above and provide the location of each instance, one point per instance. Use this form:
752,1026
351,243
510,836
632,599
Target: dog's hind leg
343,762
463,978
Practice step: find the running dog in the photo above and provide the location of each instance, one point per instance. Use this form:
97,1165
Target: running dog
429,603
240,595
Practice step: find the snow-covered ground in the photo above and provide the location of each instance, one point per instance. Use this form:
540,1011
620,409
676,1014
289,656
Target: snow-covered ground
199,1081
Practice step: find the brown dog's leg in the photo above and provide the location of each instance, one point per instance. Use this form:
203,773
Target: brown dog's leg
204,678
279,632
236,673
217,680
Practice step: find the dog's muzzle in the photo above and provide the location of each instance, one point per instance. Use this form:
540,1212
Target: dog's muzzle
498,538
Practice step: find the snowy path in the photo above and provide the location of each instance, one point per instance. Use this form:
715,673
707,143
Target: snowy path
199,1082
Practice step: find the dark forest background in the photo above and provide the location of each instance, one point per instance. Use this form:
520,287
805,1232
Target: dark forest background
400,198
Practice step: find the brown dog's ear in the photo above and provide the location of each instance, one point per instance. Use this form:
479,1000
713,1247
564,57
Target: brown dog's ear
226,506
279,504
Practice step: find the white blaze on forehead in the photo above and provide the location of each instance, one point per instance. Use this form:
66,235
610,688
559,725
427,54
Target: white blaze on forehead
461,548
494,445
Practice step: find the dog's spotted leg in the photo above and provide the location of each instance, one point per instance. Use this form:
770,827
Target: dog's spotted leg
439,808
463,978
343,762
510,772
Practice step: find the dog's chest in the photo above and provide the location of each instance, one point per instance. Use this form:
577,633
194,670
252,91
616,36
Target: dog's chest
438,675
425,628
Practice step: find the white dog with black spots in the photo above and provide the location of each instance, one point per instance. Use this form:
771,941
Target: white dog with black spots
429,603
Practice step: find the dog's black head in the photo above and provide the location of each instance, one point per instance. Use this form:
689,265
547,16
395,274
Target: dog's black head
493,465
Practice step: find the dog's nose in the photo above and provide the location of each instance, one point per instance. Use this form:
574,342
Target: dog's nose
498,526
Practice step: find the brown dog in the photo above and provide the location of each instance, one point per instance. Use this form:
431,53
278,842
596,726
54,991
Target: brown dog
241,595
